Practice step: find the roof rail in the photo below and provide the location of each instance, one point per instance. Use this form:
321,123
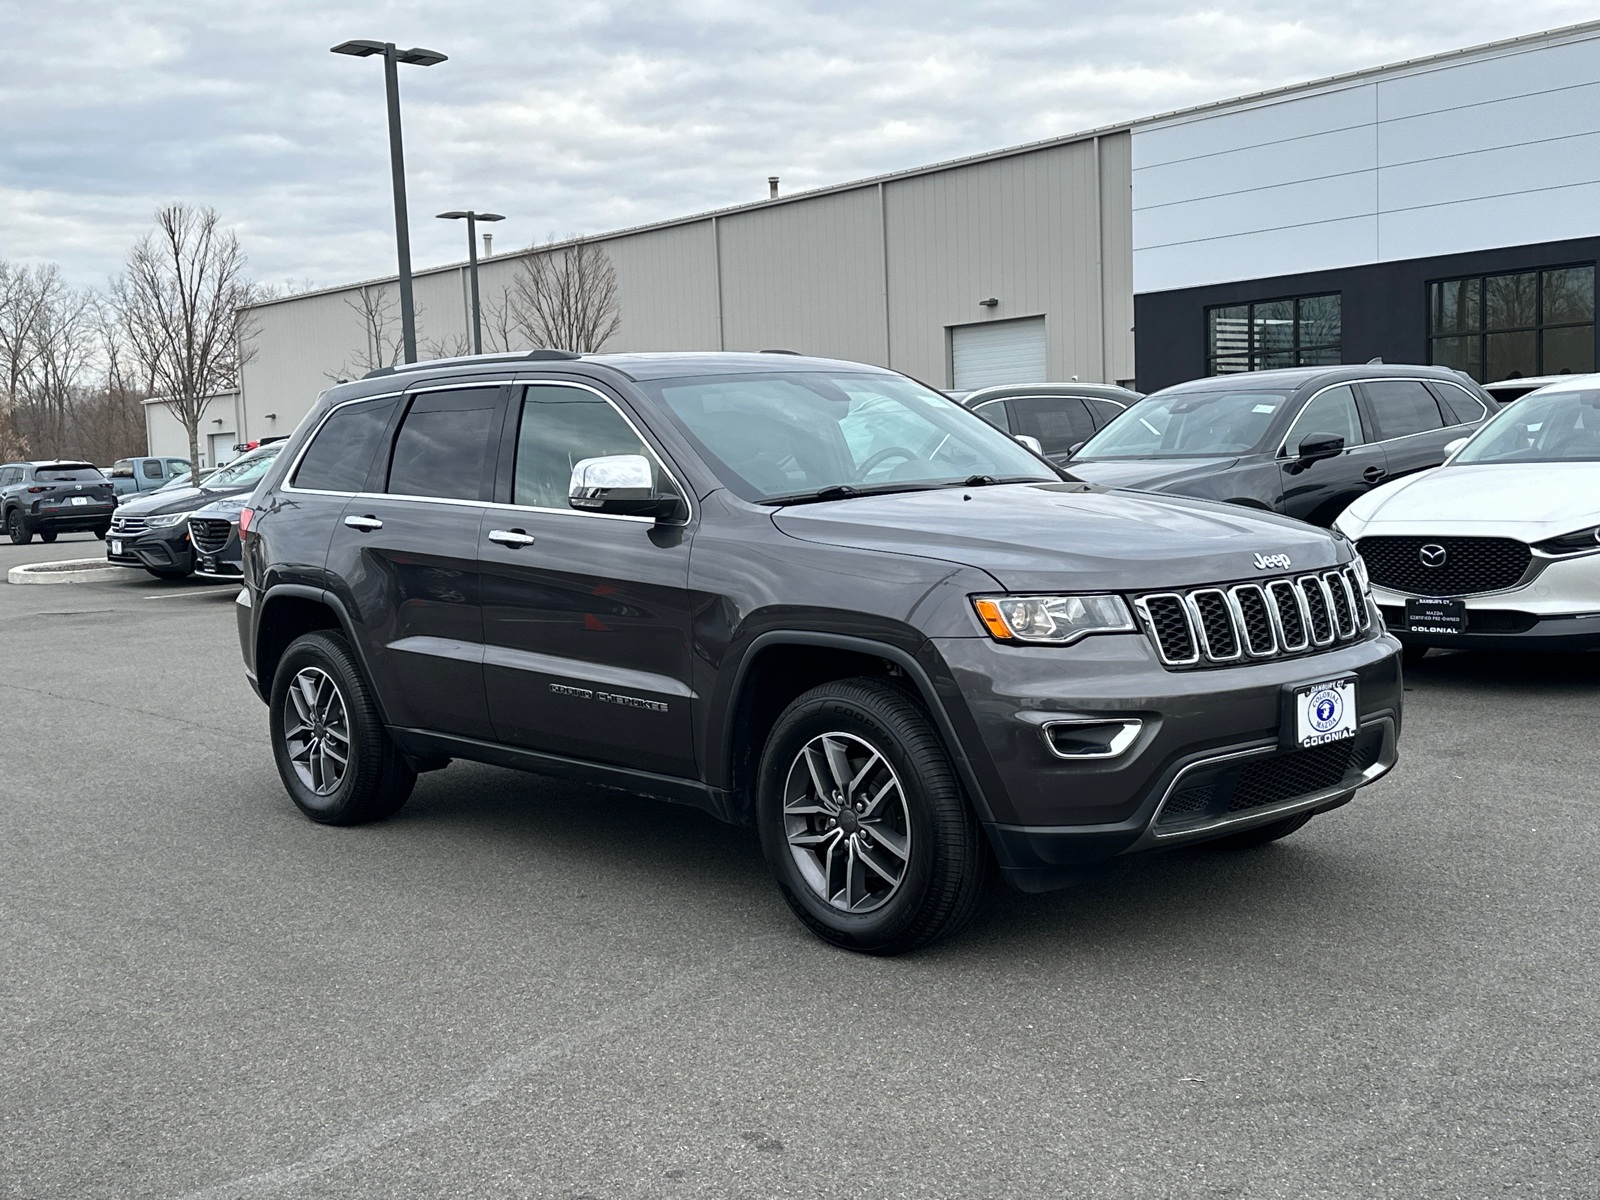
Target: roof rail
503,356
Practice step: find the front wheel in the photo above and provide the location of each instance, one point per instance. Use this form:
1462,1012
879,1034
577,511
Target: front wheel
169,575
102,531
336,761
19,533
864,822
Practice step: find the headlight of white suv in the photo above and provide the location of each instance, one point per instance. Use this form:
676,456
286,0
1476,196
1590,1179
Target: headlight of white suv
1052,620
165,520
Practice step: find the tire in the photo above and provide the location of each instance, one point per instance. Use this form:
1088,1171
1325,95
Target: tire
1261,834
1412,653
923,868
19,533
101,533
47,536
170,574
374,780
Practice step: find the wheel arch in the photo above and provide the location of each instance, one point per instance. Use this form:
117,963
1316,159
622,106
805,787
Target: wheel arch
289,610
781,665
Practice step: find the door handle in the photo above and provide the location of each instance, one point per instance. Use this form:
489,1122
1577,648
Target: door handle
364,524
1373,474
513,539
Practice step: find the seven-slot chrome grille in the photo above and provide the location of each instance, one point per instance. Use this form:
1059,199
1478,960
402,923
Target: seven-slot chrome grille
1241,622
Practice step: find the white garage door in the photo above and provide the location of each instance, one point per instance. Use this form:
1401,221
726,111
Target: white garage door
998,352
222,450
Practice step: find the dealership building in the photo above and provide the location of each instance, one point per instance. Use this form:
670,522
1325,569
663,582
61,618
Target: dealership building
1442,210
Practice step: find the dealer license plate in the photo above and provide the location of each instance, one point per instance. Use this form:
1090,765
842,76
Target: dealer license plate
116,547
80,499
1424,615
1324,712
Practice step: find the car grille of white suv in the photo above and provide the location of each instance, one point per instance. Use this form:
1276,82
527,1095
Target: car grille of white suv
1246,622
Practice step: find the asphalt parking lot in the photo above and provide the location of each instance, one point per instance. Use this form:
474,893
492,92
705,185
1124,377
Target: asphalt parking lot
524,988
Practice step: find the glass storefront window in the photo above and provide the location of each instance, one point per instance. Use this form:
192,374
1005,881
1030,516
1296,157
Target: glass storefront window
1301,331
1514,325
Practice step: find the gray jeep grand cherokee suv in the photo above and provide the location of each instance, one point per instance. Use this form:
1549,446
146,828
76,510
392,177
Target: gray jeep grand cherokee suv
807,595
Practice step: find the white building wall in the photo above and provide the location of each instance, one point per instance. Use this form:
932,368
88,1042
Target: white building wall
1466,152
166,438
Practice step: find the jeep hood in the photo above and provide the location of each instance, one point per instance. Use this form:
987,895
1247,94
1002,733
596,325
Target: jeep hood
1068,536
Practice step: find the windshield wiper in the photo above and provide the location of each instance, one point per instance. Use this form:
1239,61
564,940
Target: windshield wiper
846,491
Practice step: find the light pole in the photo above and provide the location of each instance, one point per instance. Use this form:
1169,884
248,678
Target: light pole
472,256
417,56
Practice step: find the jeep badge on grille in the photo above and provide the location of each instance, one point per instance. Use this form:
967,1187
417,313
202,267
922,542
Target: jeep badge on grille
1272,562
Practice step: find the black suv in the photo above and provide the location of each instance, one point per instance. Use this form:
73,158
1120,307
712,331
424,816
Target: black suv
152,531
47,498
812,596
1306,441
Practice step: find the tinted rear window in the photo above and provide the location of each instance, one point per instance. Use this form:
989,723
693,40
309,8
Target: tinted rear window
341,455
442,444
68,474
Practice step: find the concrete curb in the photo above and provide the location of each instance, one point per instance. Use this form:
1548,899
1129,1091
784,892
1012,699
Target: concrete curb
72,570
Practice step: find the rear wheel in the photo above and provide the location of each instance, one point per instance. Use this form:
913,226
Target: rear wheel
18,532
1261,834
47,536
336,761
864,821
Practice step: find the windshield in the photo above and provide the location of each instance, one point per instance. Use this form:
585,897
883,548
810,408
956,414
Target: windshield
1544,427
791,436
1188,424
244,470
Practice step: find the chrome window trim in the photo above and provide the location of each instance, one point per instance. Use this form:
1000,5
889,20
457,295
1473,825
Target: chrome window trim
294,467
1142,607
1197,621
1283,446
661,461
1277,617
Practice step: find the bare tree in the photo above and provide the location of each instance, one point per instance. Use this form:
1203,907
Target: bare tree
500,328
380,323
566,298
61,351
179,303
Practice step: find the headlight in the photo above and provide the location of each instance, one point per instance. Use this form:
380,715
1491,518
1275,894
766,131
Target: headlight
1052,620
165,520
1571,543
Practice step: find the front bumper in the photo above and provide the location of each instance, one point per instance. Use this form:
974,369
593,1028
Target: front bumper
1556,606
156,550
1220,728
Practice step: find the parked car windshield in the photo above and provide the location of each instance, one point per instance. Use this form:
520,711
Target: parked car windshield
782,437
1541,428
241,471
1188,424
69,473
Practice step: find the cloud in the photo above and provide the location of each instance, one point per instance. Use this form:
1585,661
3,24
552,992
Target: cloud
587,116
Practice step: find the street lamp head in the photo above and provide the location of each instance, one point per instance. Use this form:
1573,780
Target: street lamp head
453,216
360,49
419,57
490,217
476,216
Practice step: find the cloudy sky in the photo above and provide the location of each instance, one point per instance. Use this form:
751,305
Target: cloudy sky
586,115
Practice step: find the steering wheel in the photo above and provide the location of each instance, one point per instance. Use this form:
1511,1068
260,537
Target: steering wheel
882,456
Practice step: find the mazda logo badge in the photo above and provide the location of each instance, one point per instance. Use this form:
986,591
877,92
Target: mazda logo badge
1432,555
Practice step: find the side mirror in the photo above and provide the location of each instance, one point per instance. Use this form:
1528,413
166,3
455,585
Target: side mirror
1032,443
619,485
1321,445
1450,448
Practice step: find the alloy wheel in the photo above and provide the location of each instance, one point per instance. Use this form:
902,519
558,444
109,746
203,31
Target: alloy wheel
316,731
846,821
